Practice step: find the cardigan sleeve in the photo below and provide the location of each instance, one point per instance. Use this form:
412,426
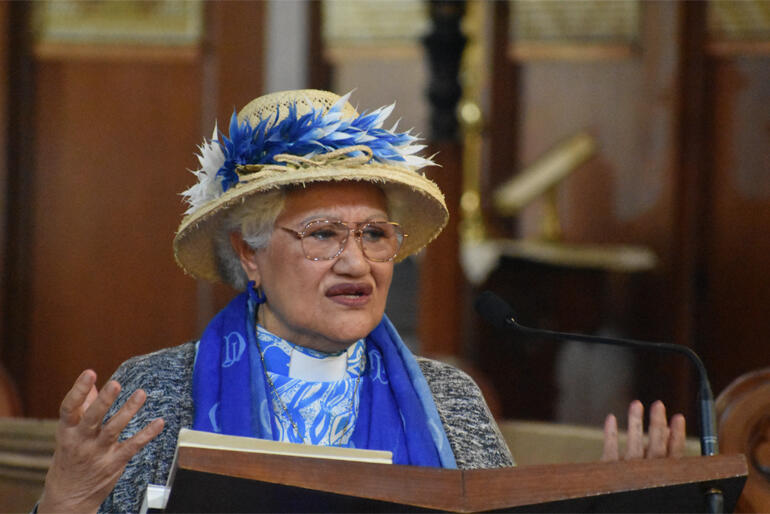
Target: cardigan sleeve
472,432
166,377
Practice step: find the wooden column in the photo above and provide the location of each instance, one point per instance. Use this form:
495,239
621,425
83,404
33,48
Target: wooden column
5,45
441,278
691,217
18,141
320,71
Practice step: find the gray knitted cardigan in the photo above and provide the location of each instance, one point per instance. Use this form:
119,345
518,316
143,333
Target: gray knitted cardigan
166,376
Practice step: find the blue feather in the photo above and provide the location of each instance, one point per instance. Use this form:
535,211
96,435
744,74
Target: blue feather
306,135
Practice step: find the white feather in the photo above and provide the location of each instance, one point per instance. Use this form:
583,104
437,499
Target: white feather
382,113
209,186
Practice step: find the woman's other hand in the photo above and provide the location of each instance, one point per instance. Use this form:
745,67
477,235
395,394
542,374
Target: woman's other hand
666,439
89,459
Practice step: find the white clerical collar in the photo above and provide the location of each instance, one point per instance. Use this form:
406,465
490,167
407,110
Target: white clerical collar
313,369
295,361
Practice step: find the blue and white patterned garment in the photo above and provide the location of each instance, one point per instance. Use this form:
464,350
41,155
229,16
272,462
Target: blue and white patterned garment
396,412
321,396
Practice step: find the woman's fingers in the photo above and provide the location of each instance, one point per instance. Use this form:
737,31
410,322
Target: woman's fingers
659,431
72,407
635,442
112,429
676,440
610,450
131,446
666,439
92,395
94,415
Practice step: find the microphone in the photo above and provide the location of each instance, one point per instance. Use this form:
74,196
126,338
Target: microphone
499,314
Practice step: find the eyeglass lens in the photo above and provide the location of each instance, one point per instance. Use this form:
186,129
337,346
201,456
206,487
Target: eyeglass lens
380,240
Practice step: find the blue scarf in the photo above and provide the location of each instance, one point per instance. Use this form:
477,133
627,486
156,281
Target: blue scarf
396,410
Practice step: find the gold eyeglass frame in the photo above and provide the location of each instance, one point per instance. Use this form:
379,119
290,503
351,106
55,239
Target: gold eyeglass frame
360,226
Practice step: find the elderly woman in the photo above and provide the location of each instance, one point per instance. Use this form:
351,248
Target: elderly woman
305,207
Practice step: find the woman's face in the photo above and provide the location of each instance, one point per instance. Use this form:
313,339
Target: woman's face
327,304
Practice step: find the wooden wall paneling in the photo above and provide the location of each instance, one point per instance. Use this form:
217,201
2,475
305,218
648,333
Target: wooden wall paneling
19,159
112,143
97,158
236,39
4,80
734,292
5,51
441,291
98,154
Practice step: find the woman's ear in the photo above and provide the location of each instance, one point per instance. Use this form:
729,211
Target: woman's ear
247,255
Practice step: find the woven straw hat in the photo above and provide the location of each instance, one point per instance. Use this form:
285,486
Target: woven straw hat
294,138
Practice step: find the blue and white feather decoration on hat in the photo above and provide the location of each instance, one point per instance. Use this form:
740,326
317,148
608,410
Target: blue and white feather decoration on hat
305,136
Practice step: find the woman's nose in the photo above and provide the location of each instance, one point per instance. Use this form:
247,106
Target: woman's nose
352,260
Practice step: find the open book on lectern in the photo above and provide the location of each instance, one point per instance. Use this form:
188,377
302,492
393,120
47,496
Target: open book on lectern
214,473
156,496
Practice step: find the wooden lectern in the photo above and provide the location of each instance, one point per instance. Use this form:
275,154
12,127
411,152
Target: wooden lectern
230,481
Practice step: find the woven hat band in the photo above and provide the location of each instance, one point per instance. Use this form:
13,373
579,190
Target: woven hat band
249,172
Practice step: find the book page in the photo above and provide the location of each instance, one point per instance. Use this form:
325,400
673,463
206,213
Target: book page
198,439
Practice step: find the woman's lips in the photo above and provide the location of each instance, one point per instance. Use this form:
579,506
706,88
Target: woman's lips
352,295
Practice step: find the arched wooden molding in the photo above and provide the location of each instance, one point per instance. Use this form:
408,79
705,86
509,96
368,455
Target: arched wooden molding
743,417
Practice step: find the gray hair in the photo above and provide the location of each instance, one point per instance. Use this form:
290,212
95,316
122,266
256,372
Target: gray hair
254,220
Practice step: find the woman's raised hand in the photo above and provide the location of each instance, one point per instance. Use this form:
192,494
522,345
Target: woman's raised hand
665,439
89,459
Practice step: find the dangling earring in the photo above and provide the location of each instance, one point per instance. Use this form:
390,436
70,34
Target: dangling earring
255,293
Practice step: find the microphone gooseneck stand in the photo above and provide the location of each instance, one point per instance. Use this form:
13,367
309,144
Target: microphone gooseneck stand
499,314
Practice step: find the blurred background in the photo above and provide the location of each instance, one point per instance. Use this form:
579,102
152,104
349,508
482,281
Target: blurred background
606,165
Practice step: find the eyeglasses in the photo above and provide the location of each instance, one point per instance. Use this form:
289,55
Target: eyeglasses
324,240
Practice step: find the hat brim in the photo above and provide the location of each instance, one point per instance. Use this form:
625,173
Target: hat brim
414,201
